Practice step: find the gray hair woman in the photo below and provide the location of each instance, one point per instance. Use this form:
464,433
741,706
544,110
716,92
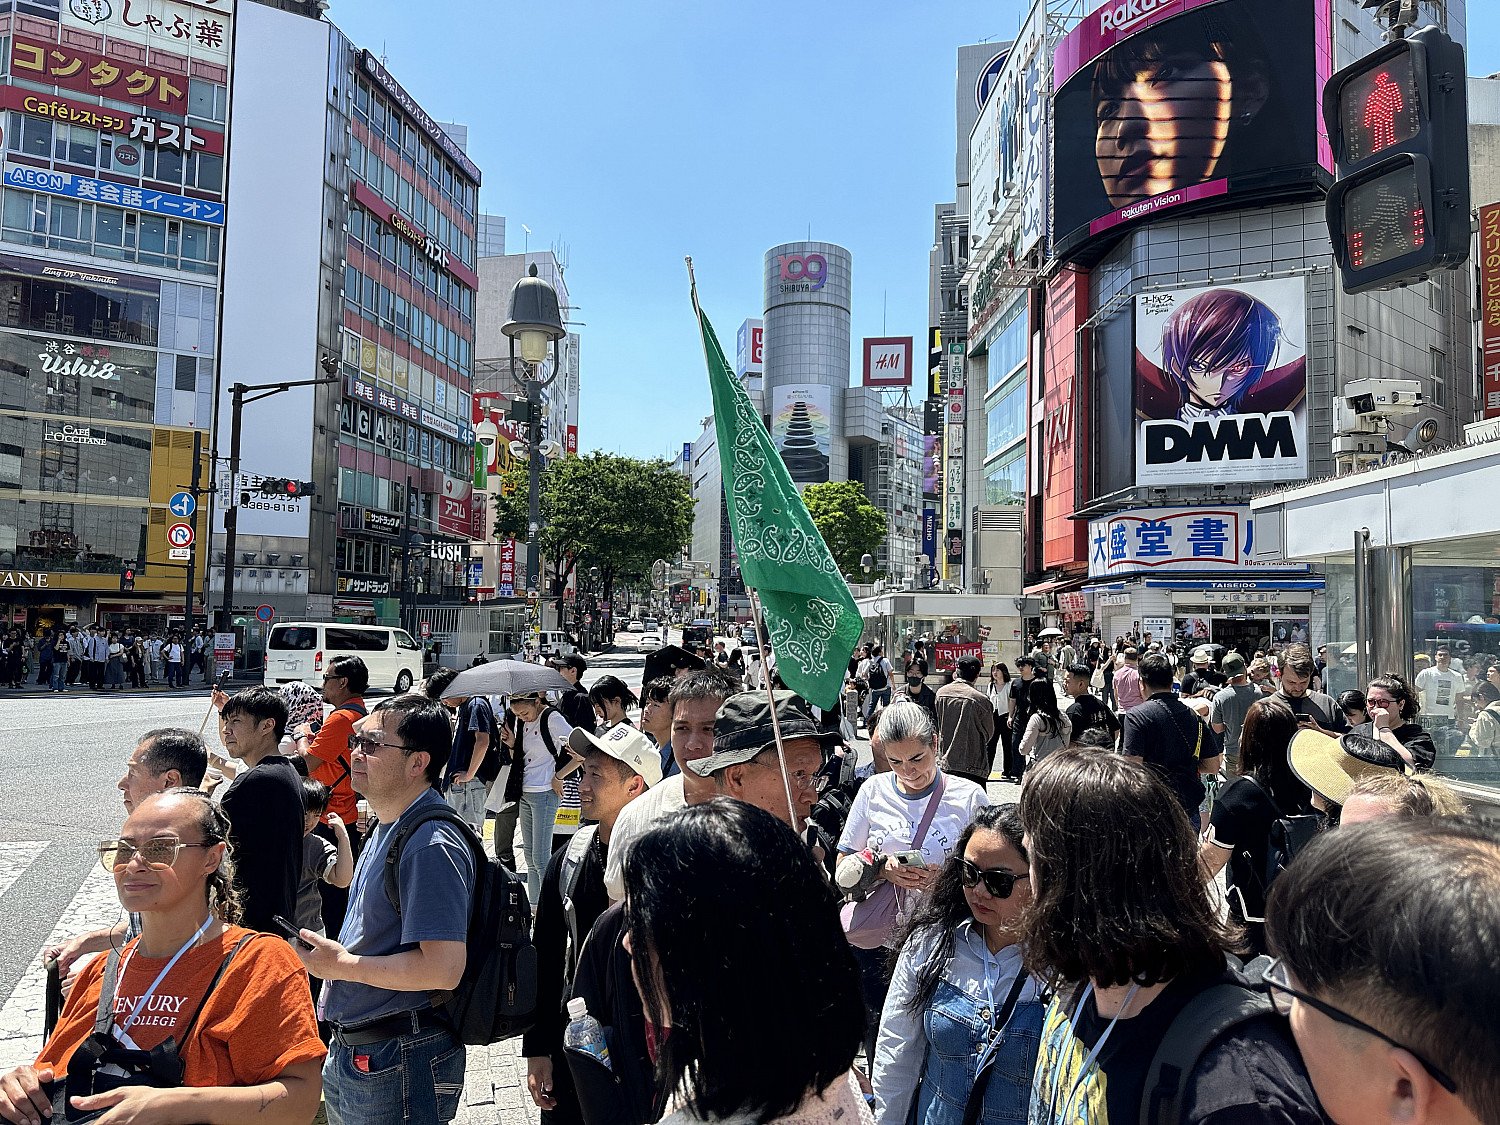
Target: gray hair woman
902,828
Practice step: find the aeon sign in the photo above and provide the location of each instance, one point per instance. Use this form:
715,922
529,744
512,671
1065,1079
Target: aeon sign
802,273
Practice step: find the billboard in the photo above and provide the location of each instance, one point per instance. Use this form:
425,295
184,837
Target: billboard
1162,540
1489,309
800,427
1221,383
749,348
887,361
1184,102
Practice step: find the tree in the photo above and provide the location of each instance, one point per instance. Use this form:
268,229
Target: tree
849,523
617,513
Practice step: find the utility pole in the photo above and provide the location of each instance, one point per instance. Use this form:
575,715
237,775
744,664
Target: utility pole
192,566
232,511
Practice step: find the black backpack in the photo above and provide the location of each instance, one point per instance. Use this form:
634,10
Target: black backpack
1211,1013
496,999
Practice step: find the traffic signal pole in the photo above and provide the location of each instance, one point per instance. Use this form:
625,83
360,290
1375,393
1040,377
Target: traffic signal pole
192,565
232,512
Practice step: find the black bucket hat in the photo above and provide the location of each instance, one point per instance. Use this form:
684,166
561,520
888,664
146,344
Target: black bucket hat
742,728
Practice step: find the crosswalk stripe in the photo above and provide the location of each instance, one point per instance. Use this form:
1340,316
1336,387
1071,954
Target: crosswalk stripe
94,905
15,857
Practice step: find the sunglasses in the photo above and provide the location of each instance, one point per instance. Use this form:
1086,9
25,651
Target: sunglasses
161,851
1277,983
999,884
367,745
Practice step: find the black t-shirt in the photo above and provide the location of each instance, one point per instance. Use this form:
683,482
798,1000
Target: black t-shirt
1242,816
577,709
1412,736
1170,737
1088,713
1253,1074
264,807
550,936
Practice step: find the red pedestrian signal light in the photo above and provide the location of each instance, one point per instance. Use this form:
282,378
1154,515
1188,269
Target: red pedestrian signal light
127,578
1398,123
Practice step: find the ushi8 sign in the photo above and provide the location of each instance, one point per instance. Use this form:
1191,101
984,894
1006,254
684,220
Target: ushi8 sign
1221,383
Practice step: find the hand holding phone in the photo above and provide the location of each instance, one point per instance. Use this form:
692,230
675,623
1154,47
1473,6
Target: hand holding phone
911,859
290,930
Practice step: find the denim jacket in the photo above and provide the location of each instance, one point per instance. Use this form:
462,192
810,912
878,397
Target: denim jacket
925,1064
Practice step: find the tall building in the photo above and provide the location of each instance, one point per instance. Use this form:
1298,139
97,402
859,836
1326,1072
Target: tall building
1094,301
113,218
357,258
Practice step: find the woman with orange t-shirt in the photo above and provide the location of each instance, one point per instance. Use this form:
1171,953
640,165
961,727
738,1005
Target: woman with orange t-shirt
210,1022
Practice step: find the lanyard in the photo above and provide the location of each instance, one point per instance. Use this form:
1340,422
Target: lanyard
1092,1055
140,1006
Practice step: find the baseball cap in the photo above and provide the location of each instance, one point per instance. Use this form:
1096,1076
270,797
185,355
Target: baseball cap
742,728
623,743
1234,664
1331,764
571,660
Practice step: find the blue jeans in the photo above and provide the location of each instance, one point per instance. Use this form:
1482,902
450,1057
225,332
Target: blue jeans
59,674
174,673
538,814
467,798
413,1079
878,697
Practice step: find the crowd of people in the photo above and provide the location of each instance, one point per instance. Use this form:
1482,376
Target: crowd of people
734,919
102,658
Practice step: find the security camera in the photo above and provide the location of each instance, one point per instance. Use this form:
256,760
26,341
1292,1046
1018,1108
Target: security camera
1383,398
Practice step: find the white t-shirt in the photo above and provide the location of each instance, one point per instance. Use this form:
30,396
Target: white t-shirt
1440,691
635,820
884,818
540,765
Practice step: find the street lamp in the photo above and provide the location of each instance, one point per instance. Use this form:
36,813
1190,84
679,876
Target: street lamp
535,321
866,564
415,541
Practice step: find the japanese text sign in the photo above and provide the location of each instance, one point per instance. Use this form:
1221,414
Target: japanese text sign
134,126
121,195
58,65
1489,309
1150,540
161,24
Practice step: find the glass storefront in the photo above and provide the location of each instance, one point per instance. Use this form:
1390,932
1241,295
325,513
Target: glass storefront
1246,629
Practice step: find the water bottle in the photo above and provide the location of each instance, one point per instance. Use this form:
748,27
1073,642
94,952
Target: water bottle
584,1033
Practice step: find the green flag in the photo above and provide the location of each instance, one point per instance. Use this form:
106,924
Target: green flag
809,612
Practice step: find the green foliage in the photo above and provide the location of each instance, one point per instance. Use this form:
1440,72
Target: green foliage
616,513
849,523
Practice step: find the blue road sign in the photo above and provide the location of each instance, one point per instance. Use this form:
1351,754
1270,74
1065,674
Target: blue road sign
182,505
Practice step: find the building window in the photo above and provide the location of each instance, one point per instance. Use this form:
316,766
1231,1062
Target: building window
1005,483
1439,378
1005,422
1009,348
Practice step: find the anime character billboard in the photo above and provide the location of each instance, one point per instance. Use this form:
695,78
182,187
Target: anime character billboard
1221,383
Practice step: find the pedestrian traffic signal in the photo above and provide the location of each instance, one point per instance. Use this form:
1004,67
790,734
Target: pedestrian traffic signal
127,578
1399,125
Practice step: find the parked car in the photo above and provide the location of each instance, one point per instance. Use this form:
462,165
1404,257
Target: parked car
302,650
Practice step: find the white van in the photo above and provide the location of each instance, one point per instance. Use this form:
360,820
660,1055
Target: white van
301,650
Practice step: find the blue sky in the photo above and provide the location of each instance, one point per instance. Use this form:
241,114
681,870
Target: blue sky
638,132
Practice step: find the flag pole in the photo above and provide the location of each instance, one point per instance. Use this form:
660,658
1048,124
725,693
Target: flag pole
760,645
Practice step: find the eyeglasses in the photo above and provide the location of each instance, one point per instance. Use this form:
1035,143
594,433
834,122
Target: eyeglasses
332,677
367,745
816,782
160,851
998,883
1277,983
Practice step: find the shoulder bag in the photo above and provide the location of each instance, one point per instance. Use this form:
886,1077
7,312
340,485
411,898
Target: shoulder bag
871,923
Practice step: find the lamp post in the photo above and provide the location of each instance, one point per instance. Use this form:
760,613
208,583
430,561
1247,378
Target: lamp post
535,321
866,564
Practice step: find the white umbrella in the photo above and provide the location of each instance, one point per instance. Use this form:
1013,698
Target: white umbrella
1049,632
506,677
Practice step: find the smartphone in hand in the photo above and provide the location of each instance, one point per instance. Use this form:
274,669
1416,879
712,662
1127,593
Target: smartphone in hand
290,930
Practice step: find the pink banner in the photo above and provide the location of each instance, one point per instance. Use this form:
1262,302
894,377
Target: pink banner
948,655
1162,202
1103,28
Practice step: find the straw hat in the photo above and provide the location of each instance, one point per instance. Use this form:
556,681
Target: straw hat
1331,764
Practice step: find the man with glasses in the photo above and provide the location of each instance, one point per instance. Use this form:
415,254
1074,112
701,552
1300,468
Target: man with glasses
1386,969
264,806
326,748
393,1058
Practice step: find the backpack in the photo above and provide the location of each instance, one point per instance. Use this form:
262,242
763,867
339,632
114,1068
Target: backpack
876,676
496,999
1207,1016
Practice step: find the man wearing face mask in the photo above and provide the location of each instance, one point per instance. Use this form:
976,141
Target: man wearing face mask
918,692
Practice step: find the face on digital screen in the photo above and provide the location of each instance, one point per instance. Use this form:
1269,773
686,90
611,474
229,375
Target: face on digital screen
1167,103
1217,345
